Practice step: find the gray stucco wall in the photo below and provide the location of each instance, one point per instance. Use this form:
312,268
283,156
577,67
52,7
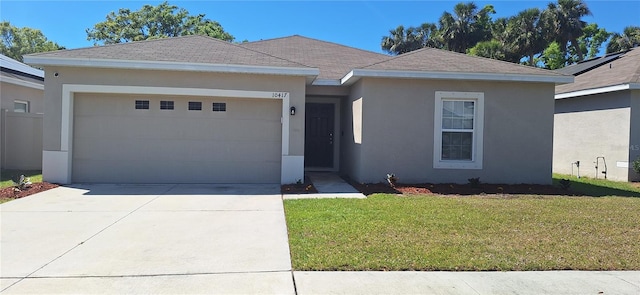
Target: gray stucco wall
11,92
398,131
351,145
593,126
634,141
21,138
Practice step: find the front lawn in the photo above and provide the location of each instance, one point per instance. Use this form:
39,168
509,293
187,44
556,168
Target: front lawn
490,232
7,177
599,187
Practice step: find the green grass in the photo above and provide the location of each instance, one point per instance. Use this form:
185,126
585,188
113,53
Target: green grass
388,232
8,176
599,187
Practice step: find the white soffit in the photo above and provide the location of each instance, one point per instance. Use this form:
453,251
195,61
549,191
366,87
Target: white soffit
630,86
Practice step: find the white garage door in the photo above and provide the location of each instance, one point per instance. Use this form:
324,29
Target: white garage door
176,140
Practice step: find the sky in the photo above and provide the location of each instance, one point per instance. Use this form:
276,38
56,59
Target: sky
360,24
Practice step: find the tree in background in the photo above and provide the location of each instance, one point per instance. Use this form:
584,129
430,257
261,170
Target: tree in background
589,43
153,22
629,38
17,42
553,57
467,27
403,40
525,34
564,25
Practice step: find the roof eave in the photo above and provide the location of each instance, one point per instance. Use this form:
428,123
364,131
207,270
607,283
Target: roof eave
355,74
20,82
310,73
599,90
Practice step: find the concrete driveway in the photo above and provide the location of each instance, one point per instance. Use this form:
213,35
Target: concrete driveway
162,239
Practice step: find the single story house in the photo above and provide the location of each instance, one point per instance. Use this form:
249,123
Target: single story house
199,110
597,120
21,107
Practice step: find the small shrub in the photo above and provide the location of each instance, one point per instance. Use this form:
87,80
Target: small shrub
565,184
392,179
23,183
636,165
474,182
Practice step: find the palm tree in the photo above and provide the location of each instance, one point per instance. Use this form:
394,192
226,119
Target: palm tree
468,27
401,41
630,38
563,23
525,34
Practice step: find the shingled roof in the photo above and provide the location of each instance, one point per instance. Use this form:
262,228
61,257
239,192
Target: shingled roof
187,49
437,60
323,63
333,60
621,71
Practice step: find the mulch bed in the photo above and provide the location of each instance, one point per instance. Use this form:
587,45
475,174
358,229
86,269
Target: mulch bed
299,188
460,189
12,193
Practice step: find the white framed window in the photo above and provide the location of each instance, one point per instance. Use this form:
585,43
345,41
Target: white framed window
458,130
166,104
20,106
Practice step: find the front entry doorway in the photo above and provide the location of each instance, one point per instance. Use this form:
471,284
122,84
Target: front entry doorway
319,135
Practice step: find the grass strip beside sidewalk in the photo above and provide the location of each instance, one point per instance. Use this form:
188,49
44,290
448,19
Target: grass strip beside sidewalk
388,232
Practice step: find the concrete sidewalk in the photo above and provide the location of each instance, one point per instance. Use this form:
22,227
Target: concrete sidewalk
533,282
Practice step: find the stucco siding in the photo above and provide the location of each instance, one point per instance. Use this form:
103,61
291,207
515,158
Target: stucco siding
590,127
398,133
11,92
634,146
351,135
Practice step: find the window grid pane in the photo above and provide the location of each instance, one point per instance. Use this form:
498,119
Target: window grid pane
166,105
219,107
195,106
458,115
142,104
457,145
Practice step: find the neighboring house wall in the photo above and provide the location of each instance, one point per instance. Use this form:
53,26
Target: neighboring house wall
295,86
593,126
12,92
634,146
398,131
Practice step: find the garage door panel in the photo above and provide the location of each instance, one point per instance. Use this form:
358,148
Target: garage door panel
113,142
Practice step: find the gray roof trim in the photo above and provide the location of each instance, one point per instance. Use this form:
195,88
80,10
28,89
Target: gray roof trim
170,65
355,74
599,90
326,82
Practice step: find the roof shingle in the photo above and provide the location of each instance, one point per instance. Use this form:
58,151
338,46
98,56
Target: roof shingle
333,60
623,70
437,60
188,49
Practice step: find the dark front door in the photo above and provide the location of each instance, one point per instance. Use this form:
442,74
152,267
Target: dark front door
318,142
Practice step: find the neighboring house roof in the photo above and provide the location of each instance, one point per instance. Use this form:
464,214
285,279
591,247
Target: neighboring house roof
587,65
333,60
619,74
15,72
322,62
